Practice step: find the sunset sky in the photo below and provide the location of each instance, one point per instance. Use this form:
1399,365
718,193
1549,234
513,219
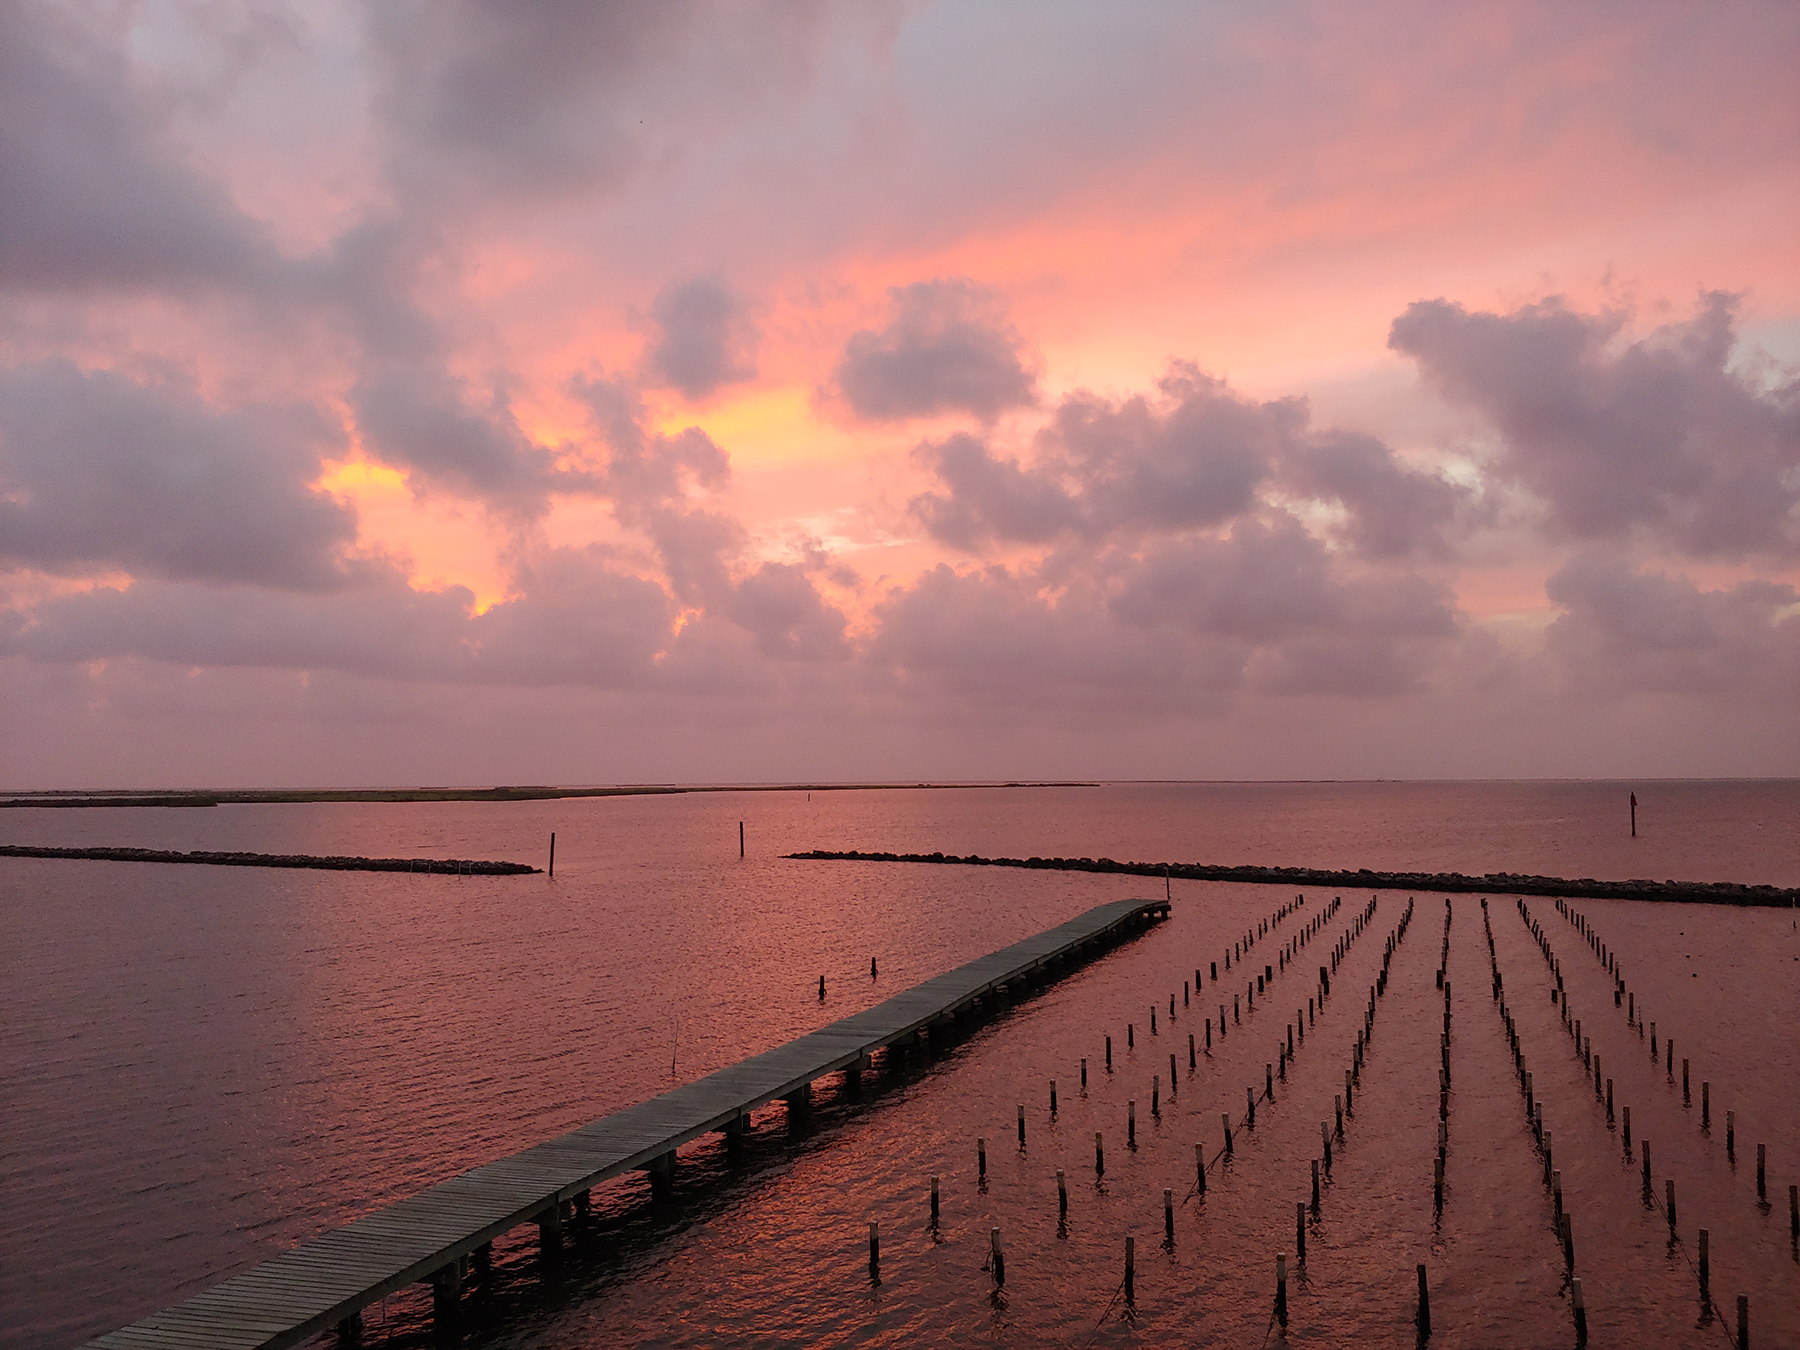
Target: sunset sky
697,392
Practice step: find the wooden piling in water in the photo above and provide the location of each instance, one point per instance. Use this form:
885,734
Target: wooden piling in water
1169,1213
874,1248
981,1159
1099,1155
1580,1311
934,1202
1743,1332
1300,1231
1131,1123
1424,1306
997,1255
1130,1267
1705,1261
1762,1178
1281,1287
1200,1168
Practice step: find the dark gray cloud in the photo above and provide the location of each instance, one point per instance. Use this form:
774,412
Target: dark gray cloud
1194,456
1624,631
779,605
1660,435
574,619
947,348
98,472
705,339
494,99
1391,510
994,638
380,628
1315,625
1182,624
425,423
989,496
90,198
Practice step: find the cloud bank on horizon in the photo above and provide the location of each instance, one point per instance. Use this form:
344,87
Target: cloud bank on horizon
696,391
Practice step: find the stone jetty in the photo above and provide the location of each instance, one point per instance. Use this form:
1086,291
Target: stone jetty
1506,883
443,866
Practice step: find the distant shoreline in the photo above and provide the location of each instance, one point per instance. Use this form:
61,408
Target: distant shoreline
1501,883
53,799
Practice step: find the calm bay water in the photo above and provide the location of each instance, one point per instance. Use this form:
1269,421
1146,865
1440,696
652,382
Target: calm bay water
207,1065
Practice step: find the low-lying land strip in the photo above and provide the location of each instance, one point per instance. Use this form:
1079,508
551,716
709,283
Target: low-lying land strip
452,794
1508,883
452,866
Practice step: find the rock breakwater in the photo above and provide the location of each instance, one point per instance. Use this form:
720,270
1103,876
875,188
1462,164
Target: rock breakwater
441,866
1493,883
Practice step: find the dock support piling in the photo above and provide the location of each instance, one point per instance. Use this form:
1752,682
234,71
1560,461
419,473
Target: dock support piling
446,1294
549,1224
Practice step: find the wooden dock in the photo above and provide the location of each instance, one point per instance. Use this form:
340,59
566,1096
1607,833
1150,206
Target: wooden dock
434,1234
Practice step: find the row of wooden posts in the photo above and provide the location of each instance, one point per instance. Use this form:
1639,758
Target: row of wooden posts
1344,1104
1603,1091
1624,996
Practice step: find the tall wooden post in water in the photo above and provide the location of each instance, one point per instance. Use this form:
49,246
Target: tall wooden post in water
1634,815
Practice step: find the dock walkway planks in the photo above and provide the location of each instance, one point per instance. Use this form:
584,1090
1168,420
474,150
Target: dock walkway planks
302,1292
